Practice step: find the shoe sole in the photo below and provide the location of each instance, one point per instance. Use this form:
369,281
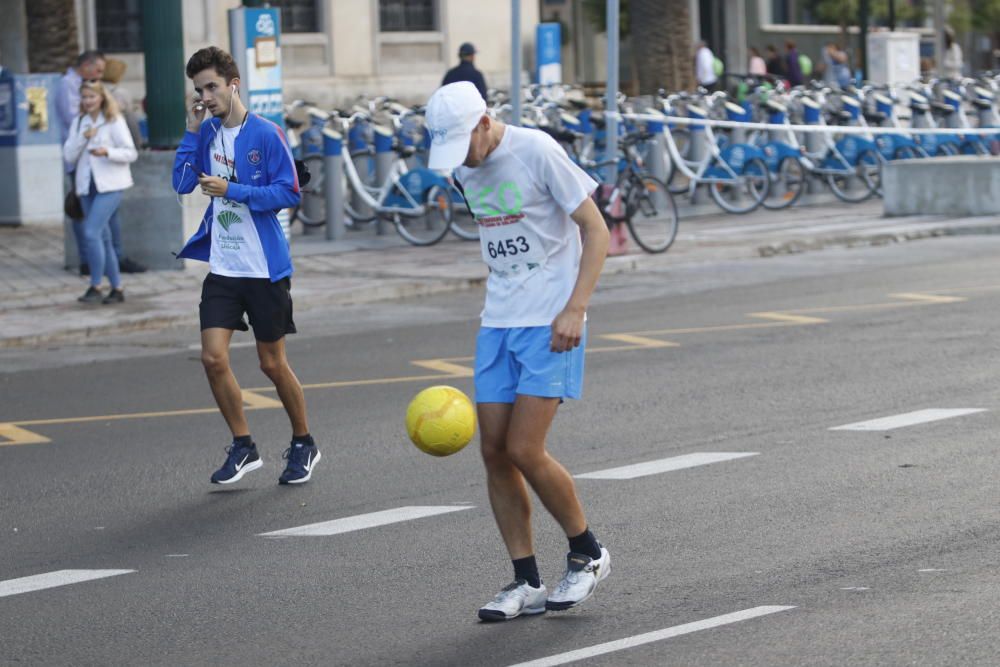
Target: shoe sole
496,616
308,475
563,606
242,471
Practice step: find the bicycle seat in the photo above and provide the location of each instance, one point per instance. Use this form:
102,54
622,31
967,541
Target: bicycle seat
293,124
942,108
405,151
982,104
875,116
559,135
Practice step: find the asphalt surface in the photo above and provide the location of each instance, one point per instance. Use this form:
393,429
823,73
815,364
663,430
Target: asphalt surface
883,543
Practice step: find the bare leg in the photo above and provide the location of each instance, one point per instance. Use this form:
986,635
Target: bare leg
274,363
513,447
508,493
228,396
529,424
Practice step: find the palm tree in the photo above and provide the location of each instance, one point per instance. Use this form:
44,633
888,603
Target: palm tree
659,35
661,44
52,34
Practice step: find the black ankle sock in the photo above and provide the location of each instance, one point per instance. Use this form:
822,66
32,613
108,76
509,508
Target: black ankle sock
585,543
304,439
526,568
243,441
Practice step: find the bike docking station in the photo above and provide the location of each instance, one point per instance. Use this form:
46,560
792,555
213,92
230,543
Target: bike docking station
333,187
958,185
385,154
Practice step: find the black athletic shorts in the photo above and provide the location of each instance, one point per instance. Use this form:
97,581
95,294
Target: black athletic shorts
224,300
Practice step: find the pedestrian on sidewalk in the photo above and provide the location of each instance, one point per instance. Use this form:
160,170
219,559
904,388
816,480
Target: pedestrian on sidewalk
101,148
793,66
243,163
89,66
114,69
531,203
704,67
466,70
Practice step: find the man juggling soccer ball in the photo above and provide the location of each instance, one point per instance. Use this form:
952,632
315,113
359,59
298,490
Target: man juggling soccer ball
531,203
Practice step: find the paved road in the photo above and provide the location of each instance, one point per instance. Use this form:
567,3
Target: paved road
806,545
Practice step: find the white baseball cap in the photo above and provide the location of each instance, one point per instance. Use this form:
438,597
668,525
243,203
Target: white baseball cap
452,114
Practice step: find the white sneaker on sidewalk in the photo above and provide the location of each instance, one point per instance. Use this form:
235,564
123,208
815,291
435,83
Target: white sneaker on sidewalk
516,598
578,583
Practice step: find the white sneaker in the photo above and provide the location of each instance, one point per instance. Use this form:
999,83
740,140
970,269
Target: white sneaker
515,599
578,583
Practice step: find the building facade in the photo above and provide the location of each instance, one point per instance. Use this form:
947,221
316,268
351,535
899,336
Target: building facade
335,50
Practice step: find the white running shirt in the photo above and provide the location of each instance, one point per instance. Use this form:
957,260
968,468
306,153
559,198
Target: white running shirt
236,249
522,196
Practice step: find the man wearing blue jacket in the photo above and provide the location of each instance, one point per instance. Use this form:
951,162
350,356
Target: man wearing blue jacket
243,163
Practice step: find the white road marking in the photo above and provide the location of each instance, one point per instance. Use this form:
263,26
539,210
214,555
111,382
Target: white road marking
665,465
855,588
931,569
363,521
176,555
40,582
650,637
907,419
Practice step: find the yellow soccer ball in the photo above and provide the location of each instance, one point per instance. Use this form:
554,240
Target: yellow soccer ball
440,420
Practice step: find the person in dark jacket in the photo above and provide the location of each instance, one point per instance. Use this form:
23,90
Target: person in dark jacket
466,70
793,69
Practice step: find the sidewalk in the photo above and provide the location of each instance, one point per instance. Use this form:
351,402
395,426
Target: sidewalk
39,304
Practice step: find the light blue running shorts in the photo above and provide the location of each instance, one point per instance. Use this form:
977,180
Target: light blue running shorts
519,361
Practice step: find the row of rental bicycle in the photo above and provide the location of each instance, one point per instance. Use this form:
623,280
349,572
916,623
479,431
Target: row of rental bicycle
764,150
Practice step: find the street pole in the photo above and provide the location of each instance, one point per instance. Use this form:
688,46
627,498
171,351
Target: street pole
611,93
515,60
939,36
863,8
163,46
892,15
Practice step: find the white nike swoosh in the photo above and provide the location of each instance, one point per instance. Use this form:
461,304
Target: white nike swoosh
242,463
309,463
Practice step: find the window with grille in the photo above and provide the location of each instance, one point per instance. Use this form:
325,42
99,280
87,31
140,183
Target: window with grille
298,15
407,15
119,25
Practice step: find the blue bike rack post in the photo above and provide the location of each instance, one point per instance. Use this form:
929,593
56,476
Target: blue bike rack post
657,162
699,141
333,185
312,145
737,114
384,157
358,147
811,113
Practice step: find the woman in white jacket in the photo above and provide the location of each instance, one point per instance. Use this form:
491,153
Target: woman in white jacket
100,146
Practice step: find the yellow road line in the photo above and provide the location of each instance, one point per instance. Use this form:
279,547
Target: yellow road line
445,366
15,435
638,342
12,433
788,317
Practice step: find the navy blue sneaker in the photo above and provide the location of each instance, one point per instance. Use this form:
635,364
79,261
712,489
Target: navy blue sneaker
240,461
302,458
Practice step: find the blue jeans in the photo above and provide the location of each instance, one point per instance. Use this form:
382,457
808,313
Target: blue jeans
81,244
98,210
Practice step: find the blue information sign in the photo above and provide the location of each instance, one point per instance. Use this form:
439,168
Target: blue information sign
548,56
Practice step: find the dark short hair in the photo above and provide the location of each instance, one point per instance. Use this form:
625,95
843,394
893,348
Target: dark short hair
89,57
215,58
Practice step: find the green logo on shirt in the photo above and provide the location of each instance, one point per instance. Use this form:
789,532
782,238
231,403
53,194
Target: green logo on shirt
227,219
506,200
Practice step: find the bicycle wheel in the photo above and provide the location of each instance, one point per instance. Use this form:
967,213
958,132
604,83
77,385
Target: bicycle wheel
355,209
849,185
431,222
787,185
311,211
677,183
870,167
746,192
463,225
651,214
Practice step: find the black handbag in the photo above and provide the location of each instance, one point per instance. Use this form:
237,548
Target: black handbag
71,205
